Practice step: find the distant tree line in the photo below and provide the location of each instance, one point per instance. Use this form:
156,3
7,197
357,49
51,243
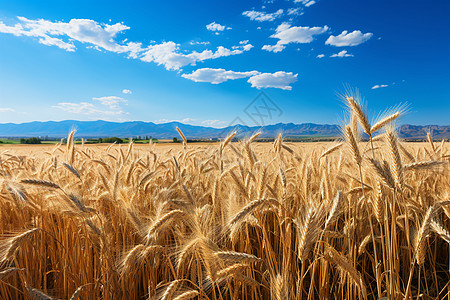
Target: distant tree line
32,140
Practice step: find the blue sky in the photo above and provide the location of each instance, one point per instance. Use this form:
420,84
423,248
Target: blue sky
203,62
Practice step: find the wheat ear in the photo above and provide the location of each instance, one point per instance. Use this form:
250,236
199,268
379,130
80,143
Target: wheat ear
357,110
383,122
43,183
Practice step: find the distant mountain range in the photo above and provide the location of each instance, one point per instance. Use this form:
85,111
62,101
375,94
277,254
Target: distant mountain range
167,130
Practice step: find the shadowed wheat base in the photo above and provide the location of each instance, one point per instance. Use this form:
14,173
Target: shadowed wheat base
238,220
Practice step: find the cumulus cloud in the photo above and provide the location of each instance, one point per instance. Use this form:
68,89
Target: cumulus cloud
343,53
168,54
348,39
125,91
216,27
103,37
279,80
81,30
286,34
377,86
297,34
6,109
216,76
320,55
262,16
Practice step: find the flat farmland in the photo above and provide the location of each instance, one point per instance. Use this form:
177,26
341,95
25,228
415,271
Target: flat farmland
228,220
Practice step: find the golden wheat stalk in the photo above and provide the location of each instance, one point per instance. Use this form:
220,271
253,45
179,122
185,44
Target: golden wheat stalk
237,257
187,295
344,265
391,140
423,165
360,115
352,144
331,149
4,274
383,122
43,183
182,136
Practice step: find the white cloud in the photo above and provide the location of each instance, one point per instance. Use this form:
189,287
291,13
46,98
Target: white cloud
320,55
306,3
113,102
294,11
199,43
6,109
81,30
83,108
168,55
213,123
348,39
379,86
286,34
343,53
102,37
216,76
185,121
274,48
279,80
89,108
262,16
125,91
297,34
245,42
216,27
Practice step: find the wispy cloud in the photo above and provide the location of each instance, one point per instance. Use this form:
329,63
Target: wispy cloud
6,109
320,55
213,123
262,16
185,121
199,43
274,48
348,39
377,86
294,11
306,3
125,91
343,53
113,102
107,106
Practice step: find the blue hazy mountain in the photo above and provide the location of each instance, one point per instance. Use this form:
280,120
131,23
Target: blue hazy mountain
167,130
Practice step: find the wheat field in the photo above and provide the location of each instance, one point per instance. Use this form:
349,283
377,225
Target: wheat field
231,220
